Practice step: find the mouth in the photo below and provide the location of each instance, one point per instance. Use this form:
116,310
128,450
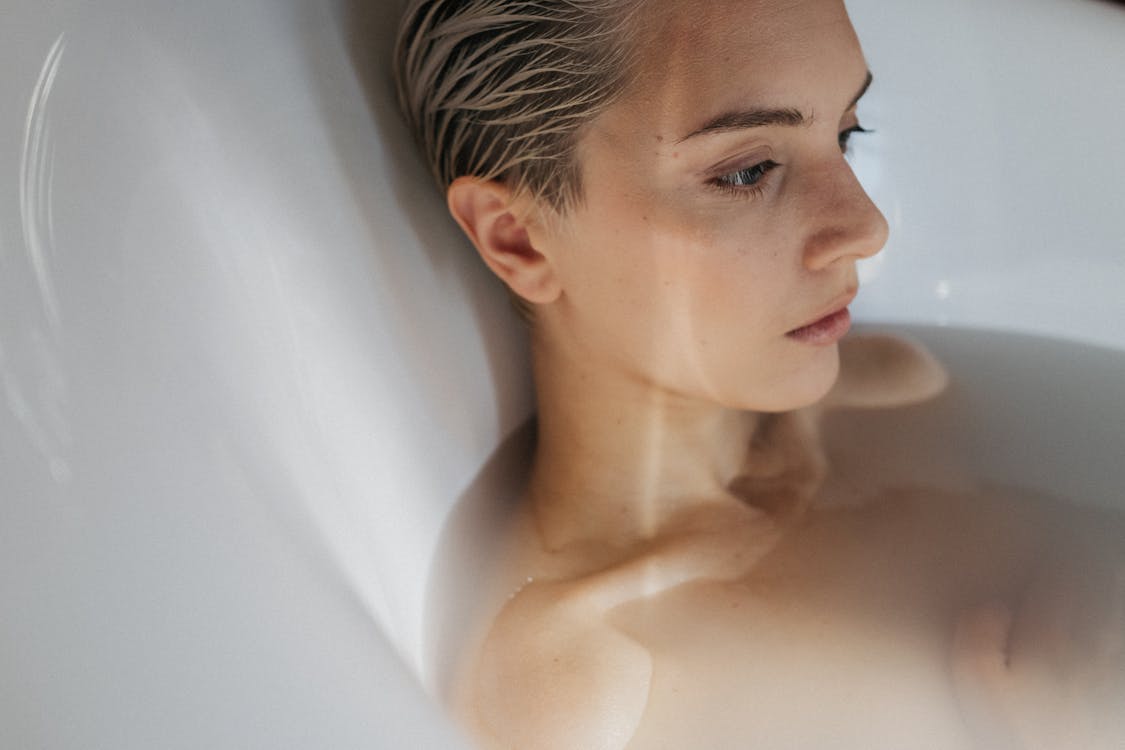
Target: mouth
829,327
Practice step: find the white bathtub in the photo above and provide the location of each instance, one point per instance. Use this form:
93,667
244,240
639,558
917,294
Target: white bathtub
248,367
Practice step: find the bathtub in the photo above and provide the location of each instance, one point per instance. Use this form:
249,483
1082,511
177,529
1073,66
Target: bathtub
260,406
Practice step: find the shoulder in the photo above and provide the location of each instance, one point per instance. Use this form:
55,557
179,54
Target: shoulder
554,674
883,371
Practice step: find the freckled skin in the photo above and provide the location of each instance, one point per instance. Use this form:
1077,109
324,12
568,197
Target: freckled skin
794,603
690,584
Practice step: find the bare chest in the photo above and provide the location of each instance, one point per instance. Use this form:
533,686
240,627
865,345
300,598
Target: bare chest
840,638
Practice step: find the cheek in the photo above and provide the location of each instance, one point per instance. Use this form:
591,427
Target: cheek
741,279
627,253
665,262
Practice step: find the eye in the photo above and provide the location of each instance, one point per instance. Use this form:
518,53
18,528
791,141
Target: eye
846,136
745,180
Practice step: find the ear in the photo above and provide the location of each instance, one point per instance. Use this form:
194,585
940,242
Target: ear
499,230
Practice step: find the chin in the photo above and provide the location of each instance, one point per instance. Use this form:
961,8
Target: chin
802,385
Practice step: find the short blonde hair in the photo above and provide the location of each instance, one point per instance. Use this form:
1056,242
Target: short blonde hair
500,89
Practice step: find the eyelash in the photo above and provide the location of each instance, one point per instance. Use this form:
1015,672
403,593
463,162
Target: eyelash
747,183
846,135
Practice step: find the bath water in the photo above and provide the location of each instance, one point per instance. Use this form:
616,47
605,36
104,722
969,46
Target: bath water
842,635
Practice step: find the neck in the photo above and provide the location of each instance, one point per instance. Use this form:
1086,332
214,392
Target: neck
618,457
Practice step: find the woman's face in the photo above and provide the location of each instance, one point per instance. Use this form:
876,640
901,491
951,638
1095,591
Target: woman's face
720,216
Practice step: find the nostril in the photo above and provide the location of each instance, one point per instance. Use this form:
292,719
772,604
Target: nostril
848,224
880,232
859,235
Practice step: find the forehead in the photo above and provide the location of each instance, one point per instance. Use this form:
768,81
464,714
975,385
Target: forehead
696,59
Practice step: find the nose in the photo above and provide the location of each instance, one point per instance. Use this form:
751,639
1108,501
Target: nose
846,223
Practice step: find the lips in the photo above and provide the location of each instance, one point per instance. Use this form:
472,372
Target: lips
829,327
827,330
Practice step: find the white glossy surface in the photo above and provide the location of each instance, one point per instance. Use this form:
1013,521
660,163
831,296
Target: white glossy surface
999,164
246,370
247,365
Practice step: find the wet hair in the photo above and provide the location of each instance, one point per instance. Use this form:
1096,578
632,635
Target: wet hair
501,89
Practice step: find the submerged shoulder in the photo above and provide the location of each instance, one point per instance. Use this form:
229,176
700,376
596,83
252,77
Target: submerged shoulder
554,674
883,371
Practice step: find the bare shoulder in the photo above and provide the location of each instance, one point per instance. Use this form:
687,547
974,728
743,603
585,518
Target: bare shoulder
554,674
883,371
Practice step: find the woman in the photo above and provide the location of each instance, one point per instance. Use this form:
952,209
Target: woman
662,185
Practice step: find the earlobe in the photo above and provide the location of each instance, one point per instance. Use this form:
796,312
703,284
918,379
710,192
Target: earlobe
486,213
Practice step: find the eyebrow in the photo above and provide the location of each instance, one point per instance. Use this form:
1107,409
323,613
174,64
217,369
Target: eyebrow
760,118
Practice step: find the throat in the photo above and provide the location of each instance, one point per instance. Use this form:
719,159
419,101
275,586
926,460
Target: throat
629,481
